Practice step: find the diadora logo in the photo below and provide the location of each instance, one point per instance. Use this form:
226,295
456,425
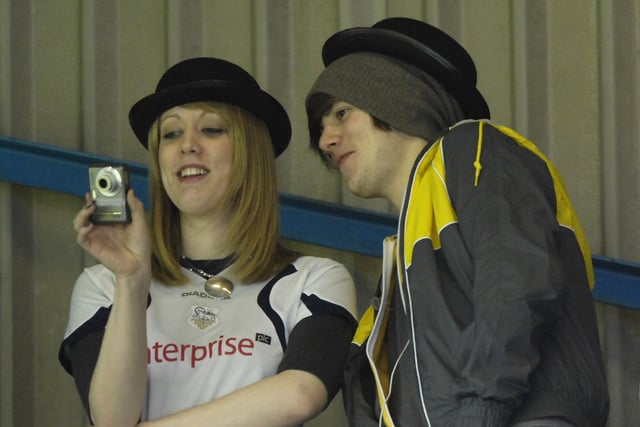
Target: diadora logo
196,294
203,317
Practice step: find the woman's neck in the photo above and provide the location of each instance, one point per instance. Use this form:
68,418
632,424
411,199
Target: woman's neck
204,238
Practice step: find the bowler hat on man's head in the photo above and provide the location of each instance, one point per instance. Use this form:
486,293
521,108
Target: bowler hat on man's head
215,80
421,45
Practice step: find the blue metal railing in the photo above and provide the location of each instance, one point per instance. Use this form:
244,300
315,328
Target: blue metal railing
311,221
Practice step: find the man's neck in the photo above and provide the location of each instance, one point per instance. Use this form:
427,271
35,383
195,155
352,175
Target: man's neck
412,147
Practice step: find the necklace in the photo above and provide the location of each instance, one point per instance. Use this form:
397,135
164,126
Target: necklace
219,287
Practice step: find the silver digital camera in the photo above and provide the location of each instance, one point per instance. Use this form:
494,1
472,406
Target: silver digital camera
109,185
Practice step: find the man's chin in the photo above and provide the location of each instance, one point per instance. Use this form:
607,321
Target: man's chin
357,190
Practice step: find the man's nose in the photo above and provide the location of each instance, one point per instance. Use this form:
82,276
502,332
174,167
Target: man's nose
329,138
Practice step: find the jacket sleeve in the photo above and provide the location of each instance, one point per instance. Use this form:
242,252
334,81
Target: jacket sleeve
504,197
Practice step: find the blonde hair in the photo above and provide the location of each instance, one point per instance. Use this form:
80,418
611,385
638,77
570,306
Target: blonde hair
251,201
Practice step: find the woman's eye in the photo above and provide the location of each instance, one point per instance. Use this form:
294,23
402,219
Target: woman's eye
213,131
173,134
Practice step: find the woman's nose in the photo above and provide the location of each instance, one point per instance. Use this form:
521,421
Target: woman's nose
190,142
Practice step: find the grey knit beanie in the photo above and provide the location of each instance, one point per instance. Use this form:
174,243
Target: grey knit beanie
408,99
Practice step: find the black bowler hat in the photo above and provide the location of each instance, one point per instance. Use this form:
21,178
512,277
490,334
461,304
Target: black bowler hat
211,79
421,45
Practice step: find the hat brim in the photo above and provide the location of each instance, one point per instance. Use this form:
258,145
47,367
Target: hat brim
397,45
261,104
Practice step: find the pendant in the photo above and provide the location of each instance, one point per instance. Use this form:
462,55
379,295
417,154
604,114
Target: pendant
219,287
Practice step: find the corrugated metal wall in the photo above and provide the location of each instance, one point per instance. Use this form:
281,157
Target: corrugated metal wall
564,73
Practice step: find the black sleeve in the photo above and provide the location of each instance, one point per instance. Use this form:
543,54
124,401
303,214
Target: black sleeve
83,356
319,345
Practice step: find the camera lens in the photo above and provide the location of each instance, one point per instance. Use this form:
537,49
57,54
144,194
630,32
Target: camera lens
108,181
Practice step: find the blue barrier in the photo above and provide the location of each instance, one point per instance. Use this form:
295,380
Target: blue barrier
311,221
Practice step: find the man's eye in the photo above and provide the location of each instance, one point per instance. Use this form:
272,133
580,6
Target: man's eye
341,113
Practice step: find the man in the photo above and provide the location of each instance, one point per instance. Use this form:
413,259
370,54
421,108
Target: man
488,319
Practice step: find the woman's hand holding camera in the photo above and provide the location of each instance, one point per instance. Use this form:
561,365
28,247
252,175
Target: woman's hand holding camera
122,248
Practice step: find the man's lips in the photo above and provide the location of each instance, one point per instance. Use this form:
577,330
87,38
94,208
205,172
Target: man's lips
341,159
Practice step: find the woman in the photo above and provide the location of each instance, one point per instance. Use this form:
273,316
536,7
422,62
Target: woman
207,319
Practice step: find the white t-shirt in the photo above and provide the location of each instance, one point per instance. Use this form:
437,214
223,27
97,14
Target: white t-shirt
200,348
